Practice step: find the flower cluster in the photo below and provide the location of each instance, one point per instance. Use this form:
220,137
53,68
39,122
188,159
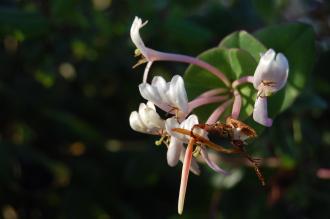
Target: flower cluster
171,97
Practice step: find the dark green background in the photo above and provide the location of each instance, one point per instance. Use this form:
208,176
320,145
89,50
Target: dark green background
66,148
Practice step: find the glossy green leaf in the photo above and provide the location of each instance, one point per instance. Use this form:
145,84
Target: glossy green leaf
296,42
238,55
234,63
245,41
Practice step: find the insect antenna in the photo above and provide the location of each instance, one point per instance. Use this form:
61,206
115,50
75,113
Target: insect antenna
256,163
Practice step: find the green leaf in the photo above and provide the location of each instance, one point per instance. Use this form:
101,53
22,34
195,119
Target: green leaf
245,41
237,56
234,63
297,42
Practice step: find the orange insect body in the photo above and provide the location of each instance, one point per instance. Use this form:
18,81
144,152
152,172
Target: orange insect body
223,130
234,130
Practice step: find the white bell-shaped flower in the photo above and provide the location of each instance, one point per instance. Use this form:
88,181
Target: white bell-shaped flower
169,96
271,73
146,120
270,76
136,38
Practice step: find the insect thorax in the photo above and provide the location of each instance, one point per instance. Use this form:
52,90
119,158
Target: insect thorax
220,129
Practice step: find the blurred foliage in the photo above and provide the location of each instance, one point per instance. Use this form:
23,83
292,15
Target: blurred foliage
67,88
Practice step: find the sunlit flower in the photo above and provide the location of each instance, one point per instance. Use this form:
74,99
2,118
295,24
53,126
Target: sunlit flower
271,73
270,76
146,120
148,55
169,96
136,38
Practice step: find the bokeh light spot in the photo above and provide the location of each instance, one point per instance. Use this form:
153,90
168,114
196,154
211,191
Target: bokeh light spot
101,5
67,70
10,43
77,149
8,212
113,145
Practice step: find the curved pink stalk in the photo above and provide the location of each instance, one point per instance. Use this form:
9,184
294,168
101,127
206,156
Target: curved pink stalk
211,163
218,111
185,175
213,92
242,80
162,56
205,100
237,105
146,71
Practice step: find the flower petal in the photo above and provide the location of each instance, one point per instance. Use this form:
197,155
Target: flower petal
170,124
260,112
148,92
210,162
160,84
174,151
189,122
135,34
283,64
271,73
263,66
136,122
151,105
150,118
178,94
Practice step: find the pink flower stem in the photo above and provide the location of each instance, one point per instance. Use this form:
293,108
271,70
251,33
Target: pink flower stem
185,175
237,96
213,92
237,105
205,100
218,111
242,80
146,71
162,56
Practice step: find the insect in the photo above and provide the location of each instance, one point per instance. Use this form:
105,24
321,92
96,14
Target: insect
235,131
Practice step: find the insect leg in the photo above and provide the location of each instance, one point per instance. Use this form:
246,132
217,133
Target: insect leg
255,162
207,142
